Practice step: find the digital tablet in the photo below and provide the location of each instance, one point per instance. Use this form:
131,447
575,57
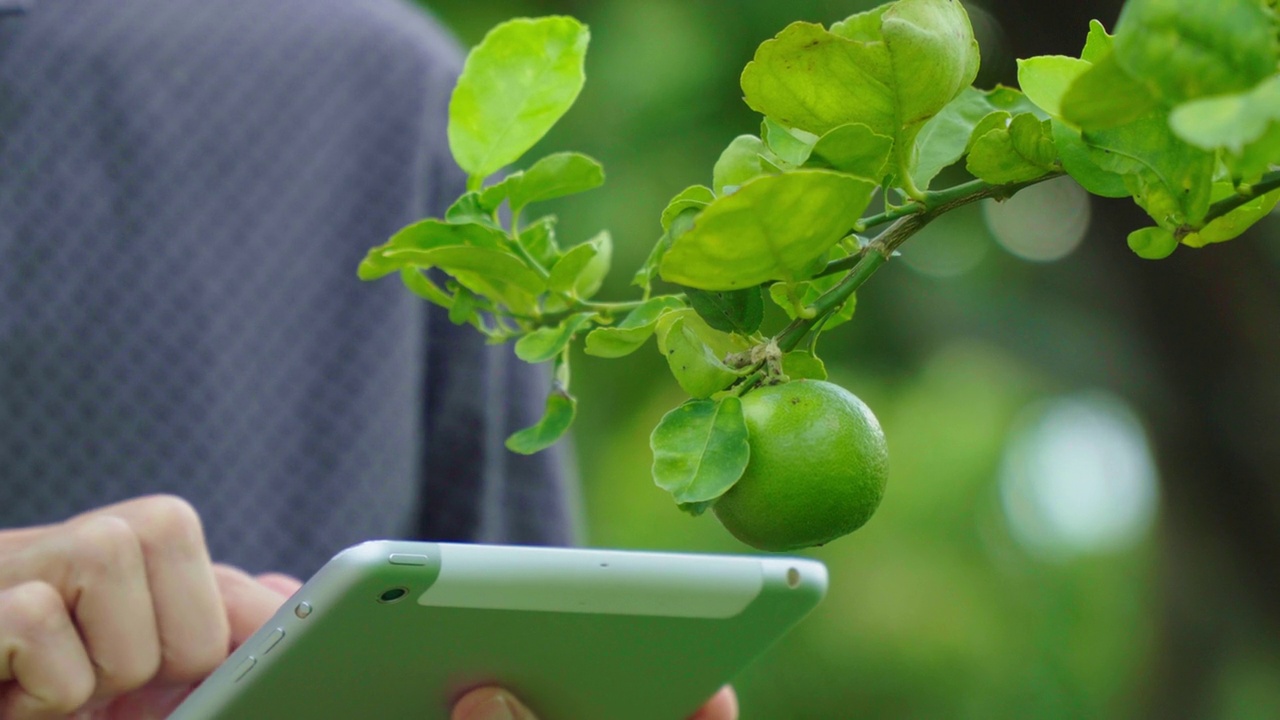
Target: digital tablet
403,629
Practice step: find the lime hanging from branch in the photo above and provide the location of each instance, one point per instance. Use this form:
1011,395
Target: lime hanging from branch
817,468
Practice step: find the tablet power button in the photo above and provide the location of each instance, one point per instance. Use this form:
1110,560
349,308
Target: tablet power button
406,559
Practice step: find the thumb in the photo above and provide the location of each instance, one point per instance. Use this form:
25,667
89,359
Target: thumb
490,704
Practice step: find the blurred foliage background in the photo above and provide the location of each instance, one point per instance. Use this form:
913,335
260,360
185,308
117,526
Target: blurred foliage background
1028,559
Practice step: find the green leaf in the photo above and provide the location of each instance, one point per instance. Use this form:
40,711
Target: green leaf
1024,151
933,53
693,197
772,228
1185,49
1152,243
792,147
738,164
464,307
997,120
471,208
806,293
863,26
583,268
1169,178
945,138
722,344
1247,125
694,363
803,365
696,509
546,343
700,450
1045,79
1078,162
498,265
427,235
680,224
1098,44
539,240
560,410
515,85
1257,157
1105,96
854,149
633,331
419,284
1234,223
739,311
1013,101
891,69
495,274
815,80
553,176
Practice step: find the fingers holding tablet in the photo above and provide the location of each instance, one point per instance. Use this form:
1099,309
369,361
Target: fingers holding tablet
496,704
185,608
45,670
107,602
490,704
722,706
116,599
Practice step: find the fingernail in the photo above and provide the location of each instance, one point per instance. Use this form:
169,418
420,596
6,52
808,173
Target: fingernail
496,707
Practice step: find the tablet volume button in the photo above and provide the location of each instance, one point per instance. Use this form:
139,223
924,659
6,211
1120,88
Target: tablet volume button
276,636
243,668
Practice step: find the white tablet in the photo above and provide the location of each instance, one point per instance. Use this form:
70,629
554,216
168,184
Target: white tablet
403,629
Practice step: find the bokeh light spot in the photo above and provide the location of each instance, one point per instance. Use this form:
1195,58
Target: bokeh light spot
1042,223
1078,478
950,246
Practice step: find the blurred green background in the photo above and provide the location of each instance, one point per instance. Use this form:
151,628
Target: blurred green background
1012,571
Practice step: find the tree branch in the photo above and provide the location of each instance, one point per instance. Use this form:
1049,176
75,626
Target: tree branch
1269,182
954,196
907,221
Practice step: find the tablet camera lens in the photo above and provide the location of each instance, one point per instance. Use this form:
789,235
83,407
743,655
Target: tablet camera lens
393,595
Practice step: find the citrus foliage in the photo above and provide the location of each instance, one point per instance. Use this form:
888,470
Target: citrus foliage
1178,110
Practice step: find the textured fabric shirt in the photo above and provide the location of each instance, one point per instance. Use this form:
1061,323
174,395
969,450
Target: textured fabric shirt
186,189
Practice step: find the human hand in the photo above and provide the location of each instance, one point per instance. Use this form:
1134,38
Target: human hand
116,613
495,704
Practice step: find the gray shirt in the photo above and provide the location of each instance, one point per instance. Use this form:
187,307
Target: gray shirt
186,189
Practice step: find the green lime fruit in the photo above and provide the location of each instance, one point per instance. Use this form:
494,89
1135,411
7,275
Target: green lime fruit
817,470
